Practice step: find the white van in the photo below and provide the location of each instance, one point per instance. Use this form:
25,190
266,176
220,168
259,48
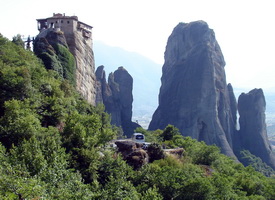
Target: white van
138,137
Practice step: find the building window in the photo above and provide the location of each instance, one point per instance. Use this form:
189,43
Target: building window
68,22
61,21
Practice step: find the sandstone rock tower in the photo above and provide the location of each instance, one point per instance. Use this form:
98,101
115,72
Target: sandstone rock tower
78,38
252,134
117,97
194,95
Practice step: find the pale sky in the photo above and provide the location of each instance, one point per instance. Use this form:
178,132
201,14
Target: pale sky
245,29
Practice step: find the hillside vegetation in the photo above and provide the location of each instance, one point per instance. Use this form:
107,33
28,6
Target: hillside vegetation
54,145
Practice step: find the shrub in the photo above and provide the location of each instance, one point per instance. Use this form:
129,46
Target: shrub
155,152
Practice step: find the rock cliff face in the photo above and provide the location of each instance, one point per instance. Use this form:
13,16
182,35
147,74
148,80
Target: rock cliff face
233,104
81,48
252,133
47,46
194,95
195,98
103,91
117,97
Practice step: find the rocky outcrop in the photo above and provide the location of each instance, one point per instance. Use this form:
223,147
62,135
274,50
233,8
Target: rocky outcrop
133,153
117,97
233,104
177,153
103,91
50,45
137,154
81,48
252,133
121,83
194,95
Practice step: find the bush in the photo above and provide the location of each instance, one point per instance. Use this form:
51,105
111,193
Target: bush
155,152
68,63
249,159
169,132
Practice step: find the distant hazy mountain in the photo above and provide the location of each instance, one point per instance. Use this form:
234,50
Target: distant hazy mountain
146,75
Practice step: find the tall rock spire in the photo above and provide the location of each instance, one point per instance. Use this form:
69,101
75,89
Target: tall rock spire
117,97
194,95
252,133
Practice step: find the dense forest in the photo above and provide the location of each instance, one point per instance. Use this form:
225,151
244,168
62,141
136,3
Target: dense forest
54,145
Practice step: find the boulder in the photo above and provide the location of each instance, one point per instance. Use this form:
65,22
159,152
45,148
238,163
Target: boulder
178,153
137,158
132,153
126,147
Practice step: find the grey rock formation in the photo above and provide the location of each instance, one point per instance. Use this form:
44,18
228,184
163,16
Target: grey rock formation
233,104
146,75
103,92
194,96
117,97
122,85
53,37
80,48
252,133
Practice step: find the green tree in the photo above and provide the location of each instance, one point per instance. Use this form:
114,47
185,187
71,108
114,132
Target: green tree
224,188
15,83
83,131
30,156
199,152
67,61
18,123
18,40
119,189
82,137
151,193
175,180
250,182
249,159
113,167
169,132
15,181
